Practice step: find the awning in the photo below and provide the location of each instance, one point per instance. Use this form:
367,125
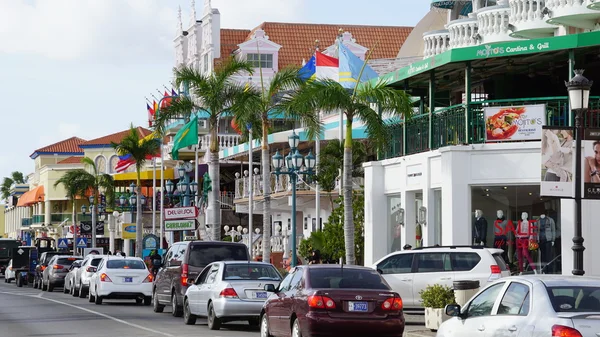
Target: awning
144,175
31,197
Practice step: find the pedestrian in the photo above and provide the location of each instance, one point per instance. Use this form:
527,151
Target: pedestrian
155,261
315,258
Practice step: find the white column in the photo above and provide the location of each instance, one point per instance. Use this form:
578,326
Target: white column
428,230
376,214
127,247
47,210
456,198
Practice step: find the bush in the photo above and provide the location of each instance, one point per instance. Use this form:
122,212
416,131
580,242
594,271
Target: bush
437,296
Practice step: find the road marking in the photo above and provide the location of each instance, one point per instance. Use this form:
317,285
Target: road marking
93,312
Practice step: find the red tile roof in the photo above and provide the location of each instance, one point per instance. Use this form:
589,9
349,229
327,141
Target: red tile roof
70,145
71,160
230,38
116,137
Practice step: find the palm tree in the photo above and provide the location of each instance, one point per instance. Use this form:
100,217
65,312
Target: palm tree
257,107
328,95
100,181
214,94
15,178
140,152
76,183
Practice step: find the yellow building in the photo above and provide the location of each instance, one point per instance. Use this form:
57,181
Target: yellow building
2,222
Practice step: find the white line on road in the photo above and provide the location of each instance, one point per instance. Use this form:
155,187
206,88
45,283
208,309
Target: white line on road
93,312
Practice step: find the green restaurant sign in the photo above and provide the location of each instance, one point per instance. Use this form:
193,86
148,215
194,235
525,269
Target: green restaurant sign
180,225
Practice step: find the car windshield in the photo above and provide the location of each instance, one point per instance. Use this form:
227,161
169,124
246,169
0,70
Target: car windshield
346,278
125,264
66,261
250,271
575,298
203,255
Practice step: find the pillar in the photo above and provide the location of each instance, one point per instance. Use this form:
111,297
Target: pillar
571,68
410,218
428,229
47,214
431,94
456,198
376,219
468,116
127,247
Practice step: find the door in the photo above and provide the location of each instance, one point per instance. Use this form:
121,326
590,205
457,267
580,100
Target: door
206,290
162,278
276,311
431,268
512,315
193,295
397,271
288,304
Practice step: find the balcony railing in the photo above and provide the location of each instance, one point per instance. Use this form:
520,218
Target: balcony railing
529,18
463,33
59,217
574,13
493,23
435,42
456,125
225,141
37,219
26,222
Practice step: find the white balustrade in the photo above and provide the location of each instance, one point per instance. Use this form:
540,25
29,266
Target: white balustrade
225,141
574,13
435,42
463,32
528,18
493,23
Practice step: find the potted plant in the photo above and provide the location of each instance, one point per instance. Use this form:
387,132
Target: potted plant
435,298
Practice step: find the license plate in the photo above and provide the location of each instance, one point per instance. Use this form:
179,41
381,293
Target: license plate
358,306
260,295
128,279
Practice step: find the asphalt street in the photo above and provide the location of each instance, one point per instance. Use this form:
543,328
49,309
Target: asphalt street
28,312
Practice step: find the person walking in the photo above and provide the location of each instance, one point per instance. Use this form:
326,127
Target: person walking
315,258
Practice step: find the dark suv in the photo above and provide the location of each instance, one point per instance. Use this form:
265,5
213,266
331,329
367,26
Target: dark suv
183,262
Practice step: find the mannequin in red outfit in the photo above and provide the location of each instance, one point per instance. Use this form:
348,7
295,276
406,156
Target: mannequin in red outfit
523,235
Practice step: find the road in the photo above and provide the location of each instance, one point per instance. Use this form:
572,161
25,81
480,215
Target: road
31,312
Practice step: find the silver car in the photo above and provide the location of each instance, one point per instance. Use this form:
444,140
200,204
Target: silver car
531,305
70,278
229,291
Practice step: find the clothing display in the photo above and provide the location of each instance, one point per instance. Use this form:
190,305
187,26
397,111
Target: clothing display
479,229
500,237
522,241
547,236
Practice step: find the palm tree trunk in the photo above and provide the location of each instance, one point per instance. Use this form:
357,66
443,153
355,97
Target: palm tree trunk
139,230
266,172
347,191
214,207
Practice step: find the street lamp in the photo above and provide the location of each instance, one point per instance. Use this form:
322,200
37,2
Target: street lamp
579,97
294,166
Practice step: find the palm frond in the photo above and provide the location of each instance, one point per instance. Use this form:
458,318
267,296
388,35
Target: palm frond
188,75
283,81
130,144
377,130
182,107
314,96
390,100
89,162
231,67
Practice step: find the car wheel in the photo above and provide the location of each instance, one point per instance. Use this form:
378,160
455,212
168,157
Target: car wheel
74,291
214,323
18,281
177,311
50,287
264,326
296,329
147,300
139,300
90,297
82,291
254,321
188,317
157,307
97,298
65,289
44,287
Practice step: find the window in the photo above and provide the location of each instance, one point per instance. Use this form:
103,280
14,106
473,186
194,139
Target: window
514,300
101,164
179,252
95,262
125,264
464,261
482,304
212,275
266,60
66,261
205,63
295,283
114,160
285,284
202,276
346,278
250,271
575,298
433,262
395,221
397,264
202,255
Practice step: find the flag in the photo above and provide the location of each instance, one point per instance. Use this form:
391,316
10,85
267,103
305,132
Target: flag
308,71
327,67
166,100
154,137
150,112
350,66
154,106
173,92
124,163
187,136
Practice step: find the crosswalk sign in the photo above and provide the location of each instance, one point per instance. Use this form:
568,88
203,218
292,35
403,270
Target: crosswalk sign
81,243
63,243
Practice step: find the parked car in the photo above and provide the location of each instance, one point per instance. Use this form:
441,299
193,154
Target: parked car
332,300
229,291
69,279
531,305
84,273
118,277
410,271
58,267
6,247
42,263
183,262
9,274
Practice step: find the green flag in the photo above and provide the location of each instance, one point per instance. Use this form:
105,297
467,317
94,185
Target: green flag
187,136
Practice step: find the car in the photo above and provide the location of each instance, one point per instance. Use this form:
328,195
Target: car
229,291
9,274
43,261
82,276
529,305
58,267
6,247
69,286
184,261
332,300
409,272
120,277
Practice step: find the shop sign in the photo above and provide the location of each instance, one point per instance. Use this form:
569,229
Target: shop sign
558,162
128,231
181,213
180,225
591,164
514,122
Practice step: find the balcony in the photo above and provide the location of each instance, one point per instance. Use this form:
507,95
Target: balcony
435,42
573,13
528,18
225,141
59,217
463,32
493,23
37,219
25,222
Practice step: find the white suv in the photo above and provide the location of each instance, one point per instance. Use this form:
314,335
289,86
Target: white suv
410,271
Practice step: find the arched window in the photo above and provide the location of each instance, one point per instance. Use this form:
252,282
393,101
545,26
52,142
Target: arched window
114,160
101,164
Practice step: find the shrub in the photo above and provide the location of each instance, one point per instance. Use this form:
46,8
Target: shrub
437,296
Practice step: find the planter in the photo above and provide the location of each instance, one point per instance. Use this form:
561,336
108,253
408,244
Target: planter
434,317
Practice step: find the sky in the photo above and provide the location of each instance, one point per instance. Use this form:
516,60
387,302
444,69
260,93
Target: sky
83,67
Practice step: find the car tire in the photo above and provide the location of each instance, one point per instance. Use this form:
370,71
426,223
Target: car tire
90,297
50,287
177,311
82,292
147,300
264,326
44,287
254,322
74,292
18,281
214,323
139,300
65,289
97,298
188,317
296,332
156,307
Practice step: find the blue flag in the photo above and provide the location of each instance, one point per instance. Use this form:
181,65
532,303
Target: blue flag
309,70
350,66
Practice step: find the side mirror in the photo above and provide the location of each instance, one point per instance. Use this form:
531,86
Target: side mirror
380,271
453,310
270,288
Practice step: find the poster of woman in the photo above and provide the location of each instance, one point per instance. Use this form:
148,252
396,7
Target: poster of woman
591,169
557,162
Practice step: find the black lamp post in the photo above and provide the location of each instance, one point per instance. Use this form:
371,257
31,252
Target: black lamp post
579,98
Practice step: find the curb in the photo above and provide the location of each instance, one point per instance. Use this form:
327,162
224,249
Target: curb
419,333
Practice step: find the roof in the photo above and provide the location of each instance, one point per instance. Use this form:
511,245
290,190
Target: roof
115,137
71,160
230,38
70,145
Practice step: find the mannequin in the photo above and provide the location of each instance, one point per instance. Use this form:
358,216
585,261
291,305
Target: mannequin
522,241
547,235
479,228
500,237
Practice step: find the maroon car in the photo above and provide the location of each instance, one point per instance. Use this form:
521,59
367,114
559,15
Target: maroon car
332,300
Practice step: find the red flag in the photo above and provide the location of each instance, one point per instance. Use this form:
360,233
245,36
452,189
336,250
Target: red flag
166,101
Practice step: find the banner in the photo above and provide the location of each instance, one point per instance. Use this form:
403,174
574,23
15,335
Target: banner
514,122
128,231
189,212
591,164
558,162
180,225
86,228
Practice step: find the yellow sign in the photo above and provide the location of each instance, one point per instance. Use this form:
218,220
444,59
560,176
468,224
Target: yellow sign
128,231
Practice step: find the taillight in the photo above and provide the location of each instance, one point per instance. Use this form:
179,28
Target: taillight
495,269
564,331
89,269
58,266
393,304
43,268
320,302
184,275
228,293
149,278
105,278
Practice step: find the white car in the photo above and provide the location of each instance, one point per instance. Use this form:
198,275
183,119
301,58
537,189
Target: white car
529,305
81,279
118,277
9,274
410,271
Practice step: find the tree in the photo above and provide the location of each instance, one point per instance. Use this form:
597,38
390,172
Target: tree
328,95
16,177
100,181
258,106
214,94
76,183
140,152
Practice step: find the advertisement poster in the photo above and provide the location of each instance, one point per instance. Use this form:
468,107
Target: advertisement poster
128,231
514,122
558,162
591,164
86,228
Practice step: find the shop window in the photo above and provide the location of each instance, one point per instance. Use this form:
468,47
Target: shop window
260,61
395,221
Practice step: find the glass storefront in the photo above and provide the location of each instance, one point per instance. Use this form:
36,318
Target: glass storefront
519,221
394,224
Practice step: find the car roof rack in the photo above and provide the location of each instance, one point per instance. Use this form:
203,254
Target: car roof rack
451,247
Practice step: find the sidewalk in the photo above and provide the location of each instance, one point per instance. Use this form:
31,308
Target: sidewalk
415,326
419,333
